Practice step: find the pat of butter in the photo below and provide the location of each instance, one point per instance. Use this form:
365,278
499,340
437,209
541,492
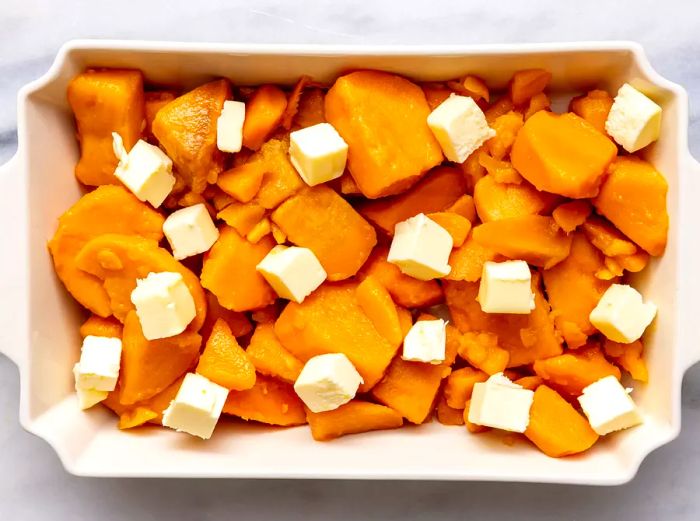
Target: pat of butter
197,407
327,381
505,288
421,248
621,314
634,121
98,368
501,404
608,406
190,231
229,127
293,272
318,153
425,342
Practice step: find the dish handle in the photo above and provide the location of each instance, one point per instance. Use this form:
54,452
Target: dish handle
690,256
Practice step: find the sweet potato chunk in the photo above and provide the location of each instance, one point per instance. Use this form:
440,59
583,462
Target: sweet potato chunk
268,401
607,238
629,357
507,127
594,107
467,261
562,154
448,415
383,119
229,271
105,101
99,326
435,94
311,109
238,322
155,100
633,198
136,417
571,215
242,182
108,209
483,352
529,382
242,217
330,320
464,206
438,190
352,418
376,303
533,238
527,83
460,384
500,170
292,107
319,219
224,362
456,225
495,201
538,102
263,114
556,428
186,128
118,260
269,356
575,370
280,180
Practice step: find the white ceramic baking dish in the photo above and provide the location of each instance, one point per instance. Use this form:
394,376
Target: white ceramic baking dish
39,322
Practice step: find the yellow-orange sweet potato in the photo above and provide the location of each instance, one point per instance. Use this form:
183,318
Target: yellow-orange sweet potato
500,170
467,261
435,93
447,415
460,384
529,382
594,107
238,322
311,109
376,303
352,418
571,215
269,356
527,83
537,102
268,401
280,180
136,417
99,326
242,182
575,370
607,238
293,102
495,201
464,206
507,127
629,357
224,362
242,217
263,114
483,352
155,100
456,225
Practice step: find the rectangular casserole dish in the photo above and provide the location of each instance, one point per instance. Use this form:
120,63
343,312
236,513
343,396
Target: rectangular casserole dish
39,322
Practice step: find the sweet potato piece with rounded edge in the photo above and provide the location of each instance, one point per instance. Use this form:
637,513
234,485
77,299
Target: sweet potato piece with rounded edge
242,182
383,119
242,216
535,239
435,93
528,83
575,370
594,107
149,366
529,382
260,230
238,322
352,418
507,127
405,320
633,198
537,102
500,171
99,326
556,428
331,321
269,356
229,272
161,401
376,303
464,206
280,180
526,337
460,384
482,351
268,401
405,290
319,219
607,238
105,101
629,357
224,362
467,261
571,215
155,100
448,415
456,225
476,88
473,428
263,114
439,189
292,107
574,290
347,184
495,201
136,417
633,263
266,315
118,260
186,129
311,109
108,209
562,154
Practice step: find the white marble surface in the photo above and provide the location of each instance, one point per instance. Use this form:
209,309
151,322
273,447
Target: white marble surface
33,485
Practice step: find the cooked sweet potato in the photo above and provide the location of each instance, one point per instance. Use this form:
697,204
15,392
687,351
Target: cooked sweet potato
261,229
311,109
186,129
633,263
229,271
594,107
472,170
319,219
571,215
161,401
460,384
155,100
467,261
507,127
383,119
268,401
242,182
528,83
376,303
263,114
500,170
224,362
476,88
529,382
99,326
435,93
136,417
633,198
607,238
352,418
269,356
105,101
562,154
456,225
629,357
495,201
447,415
267,314
293,102
280,180
242,217
464,206
537,102
346,184
238,322
575,370
483,352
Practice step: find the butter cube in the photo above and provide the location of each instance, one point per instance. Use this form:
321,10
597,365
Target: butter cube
327,381
460,127
318,153
634,120
229,127
98,368
197,407
425,342
608,406
190,231
164,304
145,170
621,315
505,288
501,404
87,397
293,272
421,248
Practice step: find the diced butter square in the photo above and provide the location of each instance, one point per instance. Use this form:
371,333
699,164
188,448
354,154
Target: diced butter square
318,153
87,397
145,170
229,127
197,406
460,127
190,231
505,288
608,406
421,248
634,121
293,272
425,342
98,368
621,314
164,304
501,404
327,381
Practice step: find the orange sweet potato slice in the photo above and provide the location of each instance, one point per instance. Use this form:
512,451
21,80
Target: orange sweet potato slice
260,230
538,102
224,362
447,415
495,201
529,382
439,189
383,119
330,320
280,180
311,109
507,127
464,206
476,88
629,357
108,209
229,271
155,100
118,260
99,326
105,101
136,417
527,83
483,352
571,215
575,370
562,154
501,171
375,301
186,129
263,114
456,225
242,182
633,198
594,107
293,103
319,219
498,108
533,238
352,418
460,384
238,322
271,358
467,261
607,238
556,428
268,401
242,217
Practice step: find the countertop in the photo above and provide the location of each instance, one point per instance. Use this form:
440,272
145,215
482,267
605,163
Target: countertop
34,486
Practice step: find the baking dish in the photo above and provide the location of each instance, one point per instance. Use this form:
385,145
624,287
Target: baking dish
38,328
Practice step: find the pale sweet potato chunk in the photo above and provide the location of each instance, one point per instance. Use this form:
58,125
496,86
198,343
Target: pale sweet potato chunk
481,350
495,201
280,180
269,356
629,357
571,215
352,418
607,238
507,127
594,107
376,303
467,261
268,401
224,362
528,83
